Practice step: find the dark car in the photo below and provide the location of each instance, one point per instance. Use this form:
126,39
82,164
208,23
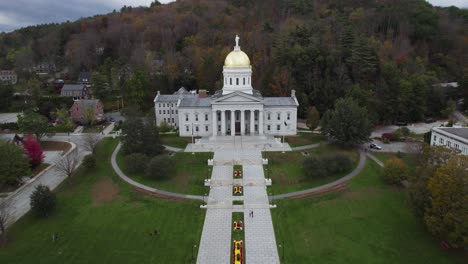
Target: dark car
429,120
401,123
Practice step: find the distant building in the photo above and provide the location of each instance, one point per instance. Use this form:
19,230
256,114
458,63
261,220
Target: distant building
77,91
84,78
8,76
79,108
43,68
166,106
451,137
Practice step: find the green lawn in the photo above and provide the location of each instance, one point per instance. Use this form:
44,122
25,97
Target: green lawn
285,169
173,140
188,174
409,159
100,219
370,223
303,139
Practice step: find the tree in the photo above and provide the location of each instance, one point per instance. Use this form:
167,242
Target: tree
33,150
314,167
43,201
136,89
89,161
67,165
447,214
33,123
141,136
90,142
89,116
13,163
348,123
5,217
6,95
64,122
395,171
313,118
159,167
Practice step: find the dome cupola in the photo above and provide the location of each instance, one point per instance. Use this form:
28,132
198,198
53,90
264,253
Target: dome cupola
237,71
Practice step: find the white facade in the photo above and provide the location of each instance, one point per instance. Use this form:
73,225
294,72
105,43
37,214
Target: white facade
451,137
8,77
237,109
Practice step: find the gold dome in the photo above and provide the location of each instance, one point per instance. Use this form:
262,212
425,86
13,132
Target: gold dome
237,58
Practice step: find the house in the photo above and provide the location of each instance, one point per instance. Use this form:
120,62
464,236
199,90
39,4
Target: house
451,137
8,76
166,106
77,91
84,78
81,108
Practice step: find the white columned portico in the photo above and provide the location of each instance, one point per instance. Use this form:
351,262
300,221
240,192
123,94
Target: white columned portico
223,122
260,122
214,124
242,122
233,123
252,119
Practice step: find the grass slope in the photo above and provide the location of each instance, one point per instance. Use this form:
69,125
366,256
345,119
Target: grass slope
285,169
173,140
302,139
187,176
370,223
110,230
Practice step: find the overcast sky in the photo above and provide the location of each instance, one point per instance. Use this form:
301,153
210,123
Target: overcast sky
15,14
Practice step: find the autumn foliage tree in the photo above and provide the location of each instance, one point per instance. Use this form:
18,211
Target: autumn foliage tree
447,214
395,171
33,150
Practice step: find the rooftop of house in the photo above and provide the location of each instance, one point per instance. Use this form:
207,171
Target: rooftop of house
84,104
457,131
73,87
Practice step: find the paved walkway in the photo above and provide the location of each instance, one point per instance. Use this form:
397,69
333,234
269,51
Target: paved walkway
260,242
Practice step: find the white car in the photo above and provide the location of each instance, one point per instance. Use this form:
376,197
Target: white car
375,146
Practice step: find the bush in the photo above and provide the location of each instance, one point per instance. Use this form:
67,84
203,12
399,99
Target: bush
10,126
33,151
89,161
314,167
43,201
395,171
404,131
336,163
136,162
159,167
164,127
389,136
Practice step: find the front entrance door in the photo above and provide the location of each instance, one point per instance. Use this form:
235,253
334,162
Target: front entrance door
238,128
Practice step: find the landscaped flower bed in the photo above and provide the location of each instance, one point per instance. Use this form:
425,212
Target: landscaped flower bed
238,171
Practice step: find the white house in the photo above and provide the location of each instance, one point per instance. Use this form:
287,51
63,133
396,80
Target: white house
237,109
8,76
451,137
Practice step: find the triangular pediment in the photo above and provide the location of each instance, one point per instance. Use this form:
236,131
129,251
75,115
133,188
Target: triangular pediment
238,97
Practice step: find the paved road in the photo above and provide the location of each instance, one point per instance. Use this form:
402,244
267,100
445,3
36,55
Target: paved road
461,118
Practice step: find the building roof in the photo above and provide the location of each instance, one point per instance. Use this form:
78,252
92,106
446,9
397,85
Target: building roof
85,104
84,77
182,90
457,131
171,98
195,102
279,101
219,94
73,87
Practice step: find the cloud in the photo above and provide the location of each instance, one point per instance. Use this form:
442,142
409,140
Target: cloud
459,3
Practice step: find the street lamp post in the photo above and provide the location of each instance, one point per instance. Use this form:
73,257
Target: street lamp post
193,248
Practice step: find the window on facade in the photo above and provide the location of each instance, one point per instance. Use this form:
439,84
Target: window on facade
237,81
244,80
449,144
435,138
278,127
173,120
164,119
441,141
187,128
196,117
289,116
164,105
279,116
196,128
186,117
160,112
176,112
268,116
230,81
159,105
219,128
206,128
172,111
268,127
206,117
164,111
219,117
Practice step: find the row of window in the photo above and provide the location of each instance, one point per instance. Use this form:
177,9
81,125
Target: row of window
278,127
196,117
168,105
278,116
171,112
449,143
244,81
169,120
197,128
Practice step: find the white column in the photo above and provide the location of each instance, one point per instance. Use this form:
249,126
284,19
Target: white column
223,122
233,123
214,124
252,122
242,122
260,122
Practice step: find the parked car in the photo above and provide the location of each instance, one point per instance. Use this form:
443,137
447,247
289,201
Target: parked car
401,123
429,120
375,146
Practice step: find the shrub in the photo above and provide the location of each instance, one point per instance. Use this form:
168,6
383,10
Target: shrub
43,201
389,136
89,161
164,127
395,171
314,167
405,131
159,167
136,162
336,163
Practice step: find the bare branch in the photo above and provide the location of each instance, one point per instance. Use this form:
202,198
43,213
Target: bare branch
90,142
67,165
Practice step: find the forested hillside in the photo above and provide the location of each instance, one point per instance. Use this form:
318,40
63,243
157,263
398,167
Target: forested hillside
387,54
